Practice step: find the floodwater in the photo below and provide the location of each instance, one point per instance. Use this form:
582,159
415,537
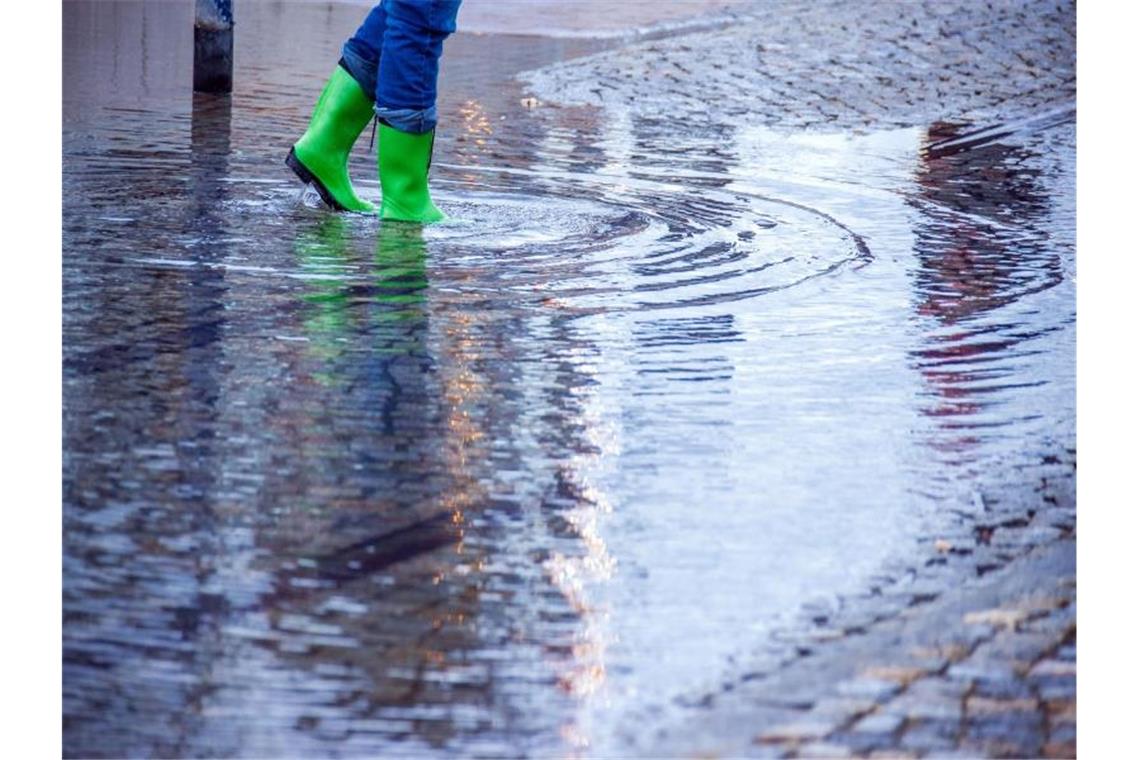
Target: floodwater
518,483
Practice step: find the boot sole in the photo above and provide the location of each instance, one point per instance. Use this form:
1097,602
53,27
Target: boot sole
309,178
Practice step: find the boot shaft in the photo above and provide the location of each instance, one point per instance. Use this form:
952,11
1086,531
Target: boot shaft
403,160
320,157
341,113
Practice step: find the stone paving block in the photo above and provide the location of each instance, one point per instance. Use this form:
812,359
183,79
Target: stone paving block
976,669
938,687
862,743
1063,733
1060,689
950,652
807,729
995,748
1015,688
1058,624
902,675
1061,750
997,618
1054,680
1018,732
1023,646
1028,537
880,723
1049,668
823,750
869,688
928,735
979,706
928,707
950,638
1062,710
841,710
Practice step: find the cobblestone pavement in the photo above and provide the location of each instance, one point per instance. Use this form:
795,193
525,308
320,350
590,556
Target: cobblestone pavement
842,64
969,648
988,671
970,653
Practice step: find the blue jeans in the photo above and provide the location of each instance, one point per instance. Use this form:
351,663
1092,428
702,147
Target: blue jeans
395,55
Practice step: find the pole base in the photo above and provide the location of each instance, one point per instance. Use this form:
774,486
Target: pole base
213,60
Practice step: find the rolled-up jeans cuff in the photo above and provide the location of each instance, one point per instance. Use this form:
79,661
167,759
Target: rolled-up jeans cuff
414,121
360,68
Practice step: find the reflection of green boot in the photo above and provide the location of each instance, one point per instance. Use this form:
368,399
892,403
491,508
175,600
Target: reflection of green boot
323,255
401,268
399,322
403,160
320,157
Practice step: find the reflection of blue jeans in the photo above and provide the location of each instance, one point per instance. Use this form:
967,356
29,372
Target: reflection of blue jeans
395,55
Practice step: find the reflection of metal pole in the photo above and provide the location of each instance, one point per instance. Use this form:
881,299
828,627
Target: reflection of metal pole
213,46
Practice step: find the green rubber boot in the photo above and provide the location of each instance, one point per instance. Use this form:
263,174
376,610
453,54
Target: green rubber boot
403,160
320,157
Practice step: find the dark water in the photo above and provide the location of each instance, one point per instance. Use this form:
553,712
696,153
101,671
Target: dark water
514,483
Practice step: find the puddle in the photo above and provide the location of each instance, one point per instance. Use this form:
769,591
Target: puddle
517,483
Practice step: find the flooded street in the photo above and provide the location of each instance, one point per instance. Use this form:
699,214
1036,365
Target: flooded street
532,481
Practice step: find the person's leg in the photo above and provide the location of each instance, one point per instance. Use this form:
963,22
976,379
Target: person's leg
320,157
406,103
409,70
360,55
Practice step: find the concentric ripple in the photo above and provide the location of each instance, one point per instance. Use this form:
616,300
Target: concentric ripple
626,247
594,245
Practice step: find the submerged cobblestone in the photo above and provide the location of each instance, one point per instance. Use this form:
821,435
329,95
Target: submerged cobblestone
970,649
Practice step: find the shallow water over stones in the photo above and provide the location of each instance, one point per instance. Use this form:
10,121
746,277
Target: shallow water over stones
519,482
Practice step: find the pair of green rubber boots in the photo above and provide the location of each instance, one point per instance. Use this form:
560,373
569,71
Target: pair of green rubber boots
320,157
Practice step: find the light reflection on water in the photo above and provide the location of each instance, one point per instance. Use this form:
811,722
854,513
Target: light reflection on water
511,484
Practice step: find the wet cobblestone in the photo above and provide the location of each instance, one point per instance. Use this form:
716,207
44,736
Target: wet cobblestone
926,664
934,685
966,651
841,64
996,680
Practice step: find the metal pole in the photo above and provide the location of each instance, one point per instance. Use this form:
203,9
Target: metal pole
213,46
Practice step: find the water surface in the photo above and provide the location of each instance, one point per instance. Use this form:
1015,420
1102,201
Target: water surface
518,483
